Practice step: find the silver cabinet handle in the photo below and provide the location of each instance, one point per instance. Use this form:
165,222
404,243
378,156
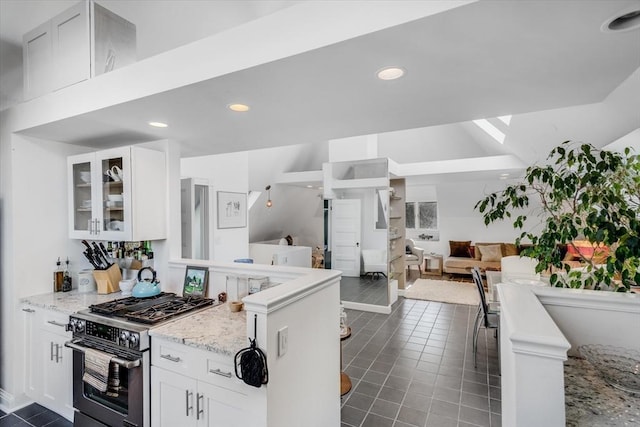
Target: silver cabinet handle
28,310
219,372
198,409
188,394
97,226
170,358
53,322
89,226
58,355
51,351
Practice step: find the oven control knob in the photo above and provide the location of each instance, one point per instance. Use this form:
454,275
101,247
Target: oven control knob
78,326
133,341
124,338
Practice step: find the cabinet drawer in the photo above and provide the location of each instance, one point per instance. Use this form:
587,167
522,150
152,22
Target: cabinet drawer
174,357
54,322
220,371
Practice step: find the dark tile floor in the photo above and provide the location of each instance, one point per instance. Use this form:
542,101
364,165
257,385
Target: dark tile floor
415,367
365,289
33,415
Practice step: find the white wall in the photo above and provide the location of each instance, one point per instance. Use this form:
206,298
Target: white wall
225,172
35,234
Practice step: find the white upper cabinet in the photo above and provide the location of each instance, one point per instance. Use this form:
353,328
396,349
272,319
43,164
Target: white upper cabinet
37,61
118,194
84,41
70,46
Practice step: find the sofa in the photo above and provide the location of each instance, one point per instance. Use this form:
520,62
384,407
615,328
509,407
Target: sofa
463,256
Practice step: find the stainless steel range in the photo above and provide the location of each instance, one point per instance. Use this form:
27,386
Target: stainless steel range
113,338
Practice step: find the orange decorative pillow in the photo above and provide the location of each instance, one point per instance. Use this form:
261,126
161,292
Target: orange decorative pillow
597,252
460,248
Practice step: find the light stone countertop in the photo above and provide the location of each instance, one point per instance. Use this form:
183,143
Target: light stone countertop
590,401
69,302
215,329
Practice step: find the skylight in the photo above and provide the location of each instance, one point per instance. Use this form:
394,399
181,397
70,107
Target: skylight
505,119
493,131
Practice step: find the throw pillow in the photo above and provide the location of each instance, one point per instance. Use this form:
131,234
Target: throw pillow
480,246
459,248
510,249
491,253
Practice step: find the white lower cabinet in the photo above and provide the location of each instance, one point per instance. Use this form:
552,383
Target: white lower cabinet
48,376
192,387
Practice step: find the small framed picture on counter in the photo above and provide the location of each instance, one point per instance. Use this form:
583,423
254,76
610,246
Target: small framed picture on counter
195,281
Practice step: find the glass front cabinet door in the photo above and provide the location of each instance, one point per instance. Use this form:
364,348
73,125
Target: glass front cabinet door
100,195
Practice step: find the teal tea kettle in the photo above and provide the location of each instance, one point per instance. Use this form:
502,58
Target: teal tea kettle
146,287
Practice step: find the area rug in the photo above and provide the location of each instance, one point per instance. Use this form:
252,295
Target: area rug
443,291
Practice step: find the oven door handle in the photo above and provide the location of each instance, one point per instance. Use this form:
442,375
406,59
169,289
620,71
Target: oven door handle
127,364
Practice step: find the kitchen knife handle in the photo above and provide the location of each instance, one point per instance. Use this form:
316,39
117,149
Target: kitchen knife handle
187,395
170,358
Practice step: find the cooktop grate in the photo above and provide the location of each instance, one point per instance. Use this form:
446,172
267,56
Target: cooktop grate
150,310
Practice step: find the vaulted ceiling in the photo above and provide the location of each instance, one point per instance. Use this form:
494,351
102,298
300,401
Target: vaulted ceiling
479,60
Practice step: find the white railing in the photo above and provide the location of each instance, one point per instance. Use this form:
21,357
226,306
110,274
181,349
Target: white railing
538,327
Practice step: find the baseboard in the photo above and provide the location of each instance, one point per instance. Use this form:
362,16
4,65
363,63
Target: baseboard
9,403
6,401
401,292
383,309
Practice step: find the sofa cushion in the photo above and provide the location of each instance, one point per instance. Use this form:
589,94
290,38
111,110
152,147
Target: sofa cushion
461,249
464,265
491,253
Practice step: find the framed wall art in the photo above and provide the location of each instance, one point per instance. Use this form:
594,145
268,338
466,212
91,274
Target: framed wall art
232,210
196,280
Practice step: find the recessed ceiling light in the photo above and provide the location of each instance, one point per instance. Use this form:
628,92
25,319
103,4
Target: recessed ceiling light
238,108
504,175
158,124
309,186
625,20
390,73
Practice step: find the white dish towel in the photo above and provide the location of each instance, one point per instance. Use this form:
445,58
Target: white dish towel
96,368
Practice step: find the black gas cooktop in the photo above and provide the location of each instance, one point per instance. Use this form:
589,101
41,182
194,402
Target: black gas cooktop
150,310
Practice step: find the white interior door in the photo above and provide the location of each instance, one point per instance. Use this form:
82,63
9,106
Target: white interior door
345,236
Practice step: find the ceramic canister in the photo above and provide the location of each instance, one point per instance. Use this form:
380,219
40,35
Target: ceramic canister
86,282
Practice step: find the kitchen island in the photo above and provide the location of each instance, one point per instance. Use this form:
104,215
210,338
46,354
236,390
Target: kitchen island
193,355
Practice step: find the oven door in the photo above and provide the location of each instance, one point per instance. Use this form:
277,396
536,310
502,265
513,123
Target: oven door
128,407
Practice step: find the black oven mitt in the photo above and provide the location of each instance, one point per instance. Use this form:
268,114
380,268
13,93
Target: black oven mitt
252,363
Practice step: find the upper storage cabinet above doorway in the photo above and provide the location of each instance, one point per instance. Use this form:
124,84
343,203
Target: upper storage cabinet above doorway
118,194
82,42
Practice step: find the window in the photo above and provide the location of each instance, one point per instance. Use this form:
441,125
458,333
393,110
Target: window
422,215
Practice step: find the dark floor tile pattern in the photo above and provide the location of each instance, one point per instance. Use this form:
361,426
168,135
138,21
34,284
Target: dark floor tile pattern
414,368
33,415
364,289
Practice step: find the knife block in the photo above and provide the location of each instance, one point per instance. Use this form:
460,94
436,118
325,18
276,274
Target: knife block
108,281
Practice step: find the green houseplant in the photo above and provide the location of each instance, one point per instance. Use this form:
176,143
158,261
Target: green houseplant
585,193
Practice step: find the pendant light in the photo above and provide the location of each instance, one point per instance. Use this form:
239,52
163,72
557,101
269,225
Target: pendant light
269,202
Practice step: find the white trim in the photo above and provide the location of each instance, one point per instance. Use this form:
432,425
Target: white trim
383,309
